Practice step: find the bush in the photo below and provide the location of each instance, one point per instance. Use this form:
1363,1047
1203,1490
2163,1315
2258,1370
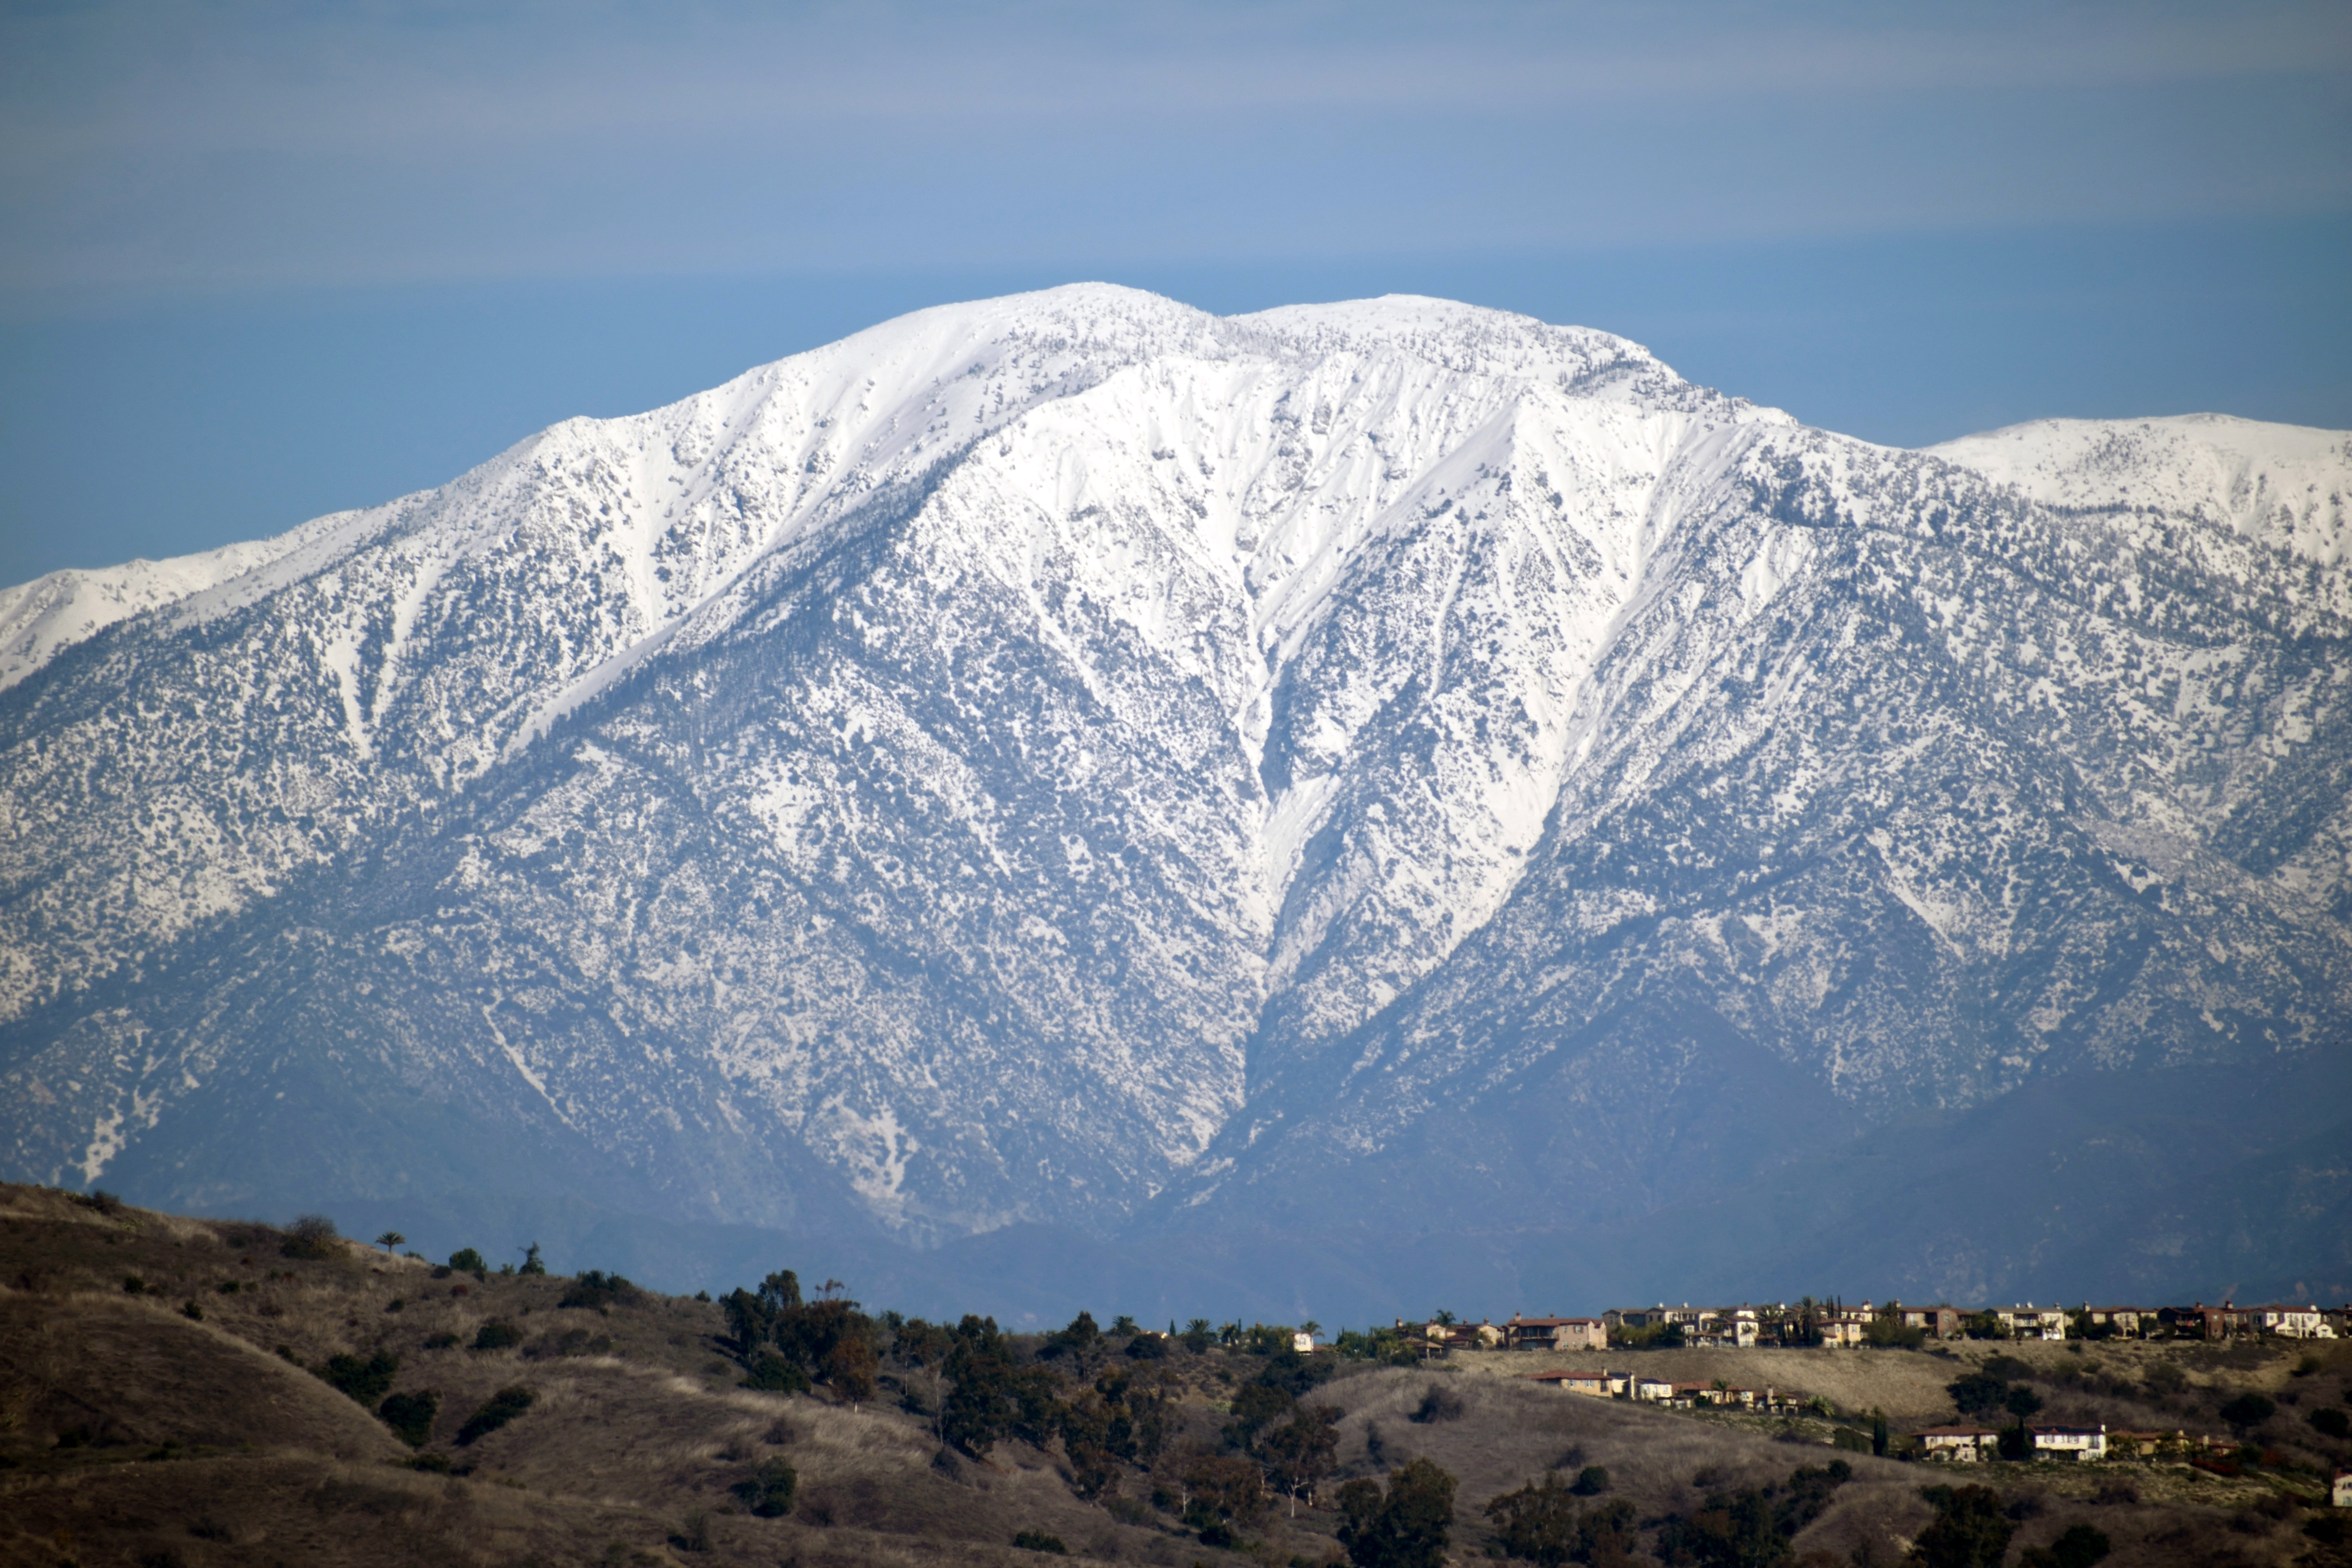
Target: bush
1038,1540
466,1260
770,1490
503,1407
597,1290
2248,1410
132,1285
410,1416
1437,1403
365,1381
1590,1481
497,1336
312,1236
2331,1423
1970,1529
773,1374
2080,1547
440,1342
1143,1347
191,1310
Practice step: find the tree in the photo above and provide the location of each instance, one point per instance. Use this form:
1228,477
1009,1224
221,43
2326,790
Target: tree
1537,1523
531,1261
1970,1529
1404,1527
1256,1405
2331,1423
466,1260
850,1369
1977,1393
1198,1335
1301,1452
1590,1481
311,1236
390,1239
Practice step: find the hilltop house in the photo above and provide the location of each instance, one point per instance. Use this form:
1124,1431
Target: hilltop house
1557,1334
2131,1323
2075,1443
2031,1322
1959,1445
2340,1494
1596,1385
1936,1322
2293,1322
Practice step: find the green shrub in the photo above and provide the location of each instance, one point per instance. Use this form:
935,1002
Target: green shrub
436,1463
2248,1410
497,1336
774,1375
1038,1540
2331,1423
466,1260
311,1236
365,1381
440,1342
1590,1481
503,1407
769,1490
410,1416
190,1309
598,1290
132,1285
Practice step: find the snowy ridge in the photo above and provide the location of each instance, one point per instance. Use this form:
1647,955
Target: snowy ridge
1072,757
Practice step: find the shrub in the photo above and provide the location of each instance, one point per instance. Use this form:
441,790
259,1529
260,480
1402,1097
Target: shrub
410,1416
1437,1403
1590,1481
102,1200
440,1342
502,1407
311,1236
2248,1410
190,1309
531,1261
774,1375
1143,1347
1038,1540
598,1290
132,1285
2331,1422
1970,1529
226,1287
365,1381
434,1463
466,1260
769,1490
2081,1546
497,1336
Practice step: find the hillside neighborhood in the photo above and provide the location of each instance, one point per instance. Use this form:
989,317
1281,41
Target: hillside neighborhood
1829,1324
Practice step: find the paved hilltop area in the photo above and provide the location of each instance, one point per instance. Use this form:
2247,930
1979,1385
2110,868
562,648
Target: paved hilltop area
208,1393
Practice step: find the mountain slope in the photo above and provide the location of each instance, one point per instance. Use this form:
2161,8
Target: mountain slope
1074,760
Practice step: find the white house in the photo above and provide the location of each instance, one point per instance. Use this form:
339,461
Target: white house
2076,1443
2342,1494
1304,1343
2030,1322
2293,1322
1959,1445
1657,1388
1598,1385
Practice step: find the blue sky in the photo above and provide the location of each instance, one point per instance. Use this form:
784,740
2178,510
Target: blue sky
261,261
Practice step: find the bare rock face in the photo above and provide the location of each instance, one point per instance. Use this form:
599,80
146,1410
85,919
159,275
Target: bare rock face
1073,759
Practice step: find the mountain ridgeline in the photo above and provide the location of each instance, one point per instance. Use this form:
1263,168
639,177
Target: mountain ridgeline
1364,777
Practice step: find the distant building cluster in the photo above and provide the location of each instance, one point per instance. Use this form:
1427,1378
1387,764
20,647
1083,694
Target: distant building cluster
1831,1324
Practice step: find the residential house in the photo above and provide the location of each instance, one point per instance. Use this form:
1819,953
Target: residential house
1556,1334
2031,1322
1303,1343
2076,1443
1845,1327
2130,1323
1960,1444
2292,1322
2340,1494
1936,1322
2198,1322
1657,1389
1596,1385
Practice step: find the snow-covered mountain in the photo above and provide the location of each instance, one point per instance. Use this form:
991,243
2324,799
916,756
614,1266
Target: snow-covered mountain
1073,759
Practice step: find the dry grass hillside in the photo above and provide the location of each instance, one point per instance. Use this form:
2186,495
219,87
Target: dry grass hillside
166,1402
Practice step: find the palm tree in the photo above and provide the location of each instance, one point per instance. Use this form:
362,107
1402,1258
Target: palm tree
1310,1328
390,1239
